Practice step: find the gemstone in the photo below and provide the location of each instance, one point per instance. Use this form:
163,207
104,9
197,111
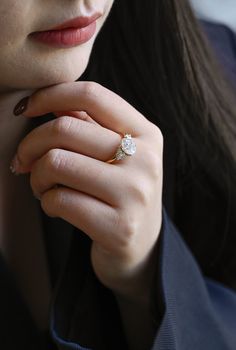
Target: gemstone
120,154
128,145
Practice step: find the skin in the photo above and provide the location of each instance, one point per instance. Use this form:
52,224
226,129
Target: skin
118,205
27,65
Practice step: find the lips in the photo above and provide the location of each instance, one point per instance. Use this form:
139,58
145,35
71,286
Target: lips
79,22
70,33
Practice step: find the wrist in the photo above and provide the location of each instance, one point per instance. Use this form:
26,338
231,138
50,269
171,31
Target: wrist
136,286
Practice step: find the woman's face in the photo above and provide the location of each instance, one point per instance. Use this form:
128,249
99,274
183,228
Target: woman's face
26,63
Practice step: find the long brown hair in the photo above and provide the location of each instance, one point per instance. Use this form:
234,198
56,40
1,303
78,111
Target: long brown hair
154,54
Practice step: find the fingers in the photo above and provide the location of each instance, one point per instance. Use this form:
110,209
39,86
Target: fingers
102,105
76,114
90,215
71,134
78,172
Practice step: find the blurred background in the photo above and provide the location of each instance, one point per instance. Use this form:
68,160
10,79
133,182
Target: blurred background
219,11
218,19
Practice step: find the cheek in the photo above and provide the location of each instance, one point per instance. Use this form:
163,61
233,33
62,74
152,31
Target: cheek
13,14
109,4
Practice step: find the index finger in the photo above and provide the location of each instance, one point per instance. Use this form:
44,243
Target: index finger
103,105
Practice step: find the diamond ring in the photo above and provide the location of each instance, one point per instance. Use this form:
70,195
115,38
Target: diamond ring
127,147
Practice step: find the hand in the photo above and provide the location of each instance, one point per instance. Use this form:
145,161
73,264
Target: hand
118,205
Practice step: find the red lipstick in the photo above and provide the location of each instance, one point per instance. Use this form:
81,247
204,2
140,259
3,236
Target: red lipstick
70,33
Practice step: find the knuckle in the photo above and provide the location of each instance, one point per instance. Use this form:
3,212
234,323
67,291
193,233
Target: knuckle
127,227
54,160
61,125
156,169
138,191
52,202
90,89
158,136
153,163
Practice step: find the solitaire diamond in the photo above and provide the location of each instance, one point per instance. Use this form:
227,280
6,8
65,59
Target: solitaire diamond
128,145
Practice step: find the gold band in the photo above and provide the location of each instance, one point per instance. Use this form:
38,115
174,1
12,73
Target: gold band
111,160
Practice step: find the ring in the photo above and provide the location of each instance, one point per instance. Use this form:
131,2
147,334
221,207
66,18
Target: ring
127,147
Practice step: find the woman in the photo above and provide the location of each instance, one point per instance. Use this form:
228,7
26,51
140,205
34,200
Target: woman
114,273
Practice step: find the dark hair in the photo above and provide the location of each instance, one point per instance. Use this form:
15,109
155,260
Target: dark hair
154,55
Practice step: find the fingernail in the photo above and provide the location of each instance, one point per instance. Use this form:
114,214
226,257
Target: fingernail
15,166
21,106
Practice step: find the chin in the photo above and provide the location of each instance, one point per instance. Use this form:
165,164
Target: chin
61,74
46,71
45,74
66,67
59,78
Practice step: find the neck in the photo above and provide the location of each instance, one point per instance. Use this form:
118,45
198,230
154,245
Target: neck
12,128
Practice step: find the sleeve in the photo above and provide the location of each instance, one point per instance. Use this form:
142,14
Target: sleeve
223,42
198,313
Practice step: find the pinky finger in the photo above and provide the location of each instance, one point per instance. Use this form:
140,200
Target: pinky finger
92,216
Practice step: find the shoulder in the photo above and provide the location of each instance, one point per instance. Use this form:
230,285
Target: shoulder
223,42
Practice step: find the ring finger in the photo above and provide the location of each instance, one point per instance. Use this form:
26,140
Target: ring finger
78,172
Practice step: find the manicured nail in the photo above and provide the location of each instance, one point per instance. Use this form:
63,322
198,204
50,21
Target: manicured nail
21,106
15,166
